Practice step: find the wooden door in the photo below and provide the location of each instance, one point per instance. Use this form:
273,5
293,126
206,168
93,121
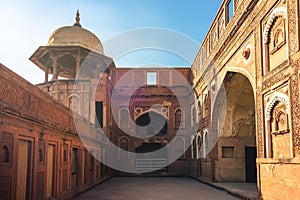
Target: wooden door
83,166
50,171
24,170
75,168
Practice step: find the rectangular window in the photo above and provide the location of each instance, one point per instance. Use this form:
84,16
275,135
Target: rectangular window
230,9
151,78
227,152
99,114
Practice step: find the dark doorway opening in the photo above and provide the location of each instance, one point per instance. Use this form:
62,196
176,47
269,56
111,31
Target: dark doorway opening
75,163
152,124
148,147
250,162
99,114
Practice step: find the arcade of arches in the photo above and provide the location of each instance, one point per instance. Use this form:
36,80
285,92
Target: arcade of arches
240,121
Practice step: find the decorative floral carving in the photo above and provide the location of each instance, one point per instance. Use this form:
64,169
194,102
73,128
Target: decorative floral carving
214,36
221,24
293,26
276,78
277,12
247,53
278,35
279,120
295,112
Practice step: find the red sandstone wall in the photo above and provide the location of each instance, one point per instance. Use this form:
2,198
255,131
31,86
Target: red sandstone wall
36,132
279,179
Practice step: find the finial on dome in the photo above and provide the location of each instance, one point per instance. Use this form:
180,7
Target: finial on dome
77,18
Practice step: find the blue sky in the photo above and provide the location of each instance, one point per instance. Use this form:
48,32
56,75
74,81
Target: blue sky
26,25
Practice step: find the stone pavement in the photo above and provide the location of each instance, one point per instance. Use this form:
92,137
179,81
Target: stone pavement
246,191
154,188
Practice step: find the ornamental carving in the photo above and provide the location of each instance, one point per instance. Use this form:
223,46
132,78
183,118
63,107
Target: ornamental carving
278,12
295,112
247,53
221,23
279,119
276,78
293,26
278,35
214,36
277,97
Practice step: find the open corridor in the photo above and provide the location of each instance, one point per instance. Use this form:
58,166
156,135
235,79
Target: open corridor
154,188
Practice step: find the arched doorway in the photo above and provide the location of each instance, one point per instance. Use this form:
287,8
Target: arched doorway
151,123
233,122
152,127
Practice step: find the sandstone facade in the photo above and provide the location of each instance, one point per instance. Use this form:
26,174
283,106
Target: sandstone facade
251,62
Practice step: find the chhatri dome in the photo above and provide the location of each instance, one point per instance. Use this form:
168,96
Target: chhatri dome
75,36
66,49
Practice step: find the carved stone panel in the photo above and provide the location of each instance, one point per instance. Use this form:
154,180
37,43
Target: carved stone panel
277,123
5,188
278,35
40,185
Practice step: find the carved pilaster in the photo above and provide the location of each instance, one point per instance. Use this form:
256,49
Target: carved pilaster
295,110
292,26
259,100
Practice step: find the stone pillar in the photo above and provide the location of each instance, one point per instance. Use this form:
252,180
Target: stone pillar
46,74
55,70
78,59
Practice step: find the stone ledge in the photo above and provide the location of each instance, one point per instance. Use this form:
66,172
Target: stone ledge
229,189
83,190
295,160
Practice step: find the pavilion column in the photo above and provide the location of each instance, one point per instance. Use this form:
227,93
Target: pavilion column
46,74
78,59
55,70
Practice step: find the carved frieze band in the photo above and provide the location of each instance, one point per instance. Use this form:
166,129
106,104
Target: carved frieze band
25,99
293,26
295,110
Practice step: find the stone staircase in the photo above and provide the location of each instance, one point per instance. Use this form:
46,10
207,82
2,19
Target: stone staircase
151,166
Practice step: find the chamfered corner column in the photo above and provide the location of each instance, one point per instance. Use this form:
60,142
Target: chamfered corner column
46,75
55,67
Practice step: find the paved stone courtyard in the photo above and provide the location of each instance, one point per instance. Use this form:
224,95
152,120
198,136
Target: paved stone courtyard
154,188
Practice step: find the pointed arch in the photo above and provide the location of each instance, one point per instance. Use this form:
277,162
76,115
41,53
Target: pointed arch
123,118
151,122
274,99
179,147
277,12
205,100
241,71
5,155
193,115
74,103
271,131
205,142
123,144
179,118
198,145
192,146
151,110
